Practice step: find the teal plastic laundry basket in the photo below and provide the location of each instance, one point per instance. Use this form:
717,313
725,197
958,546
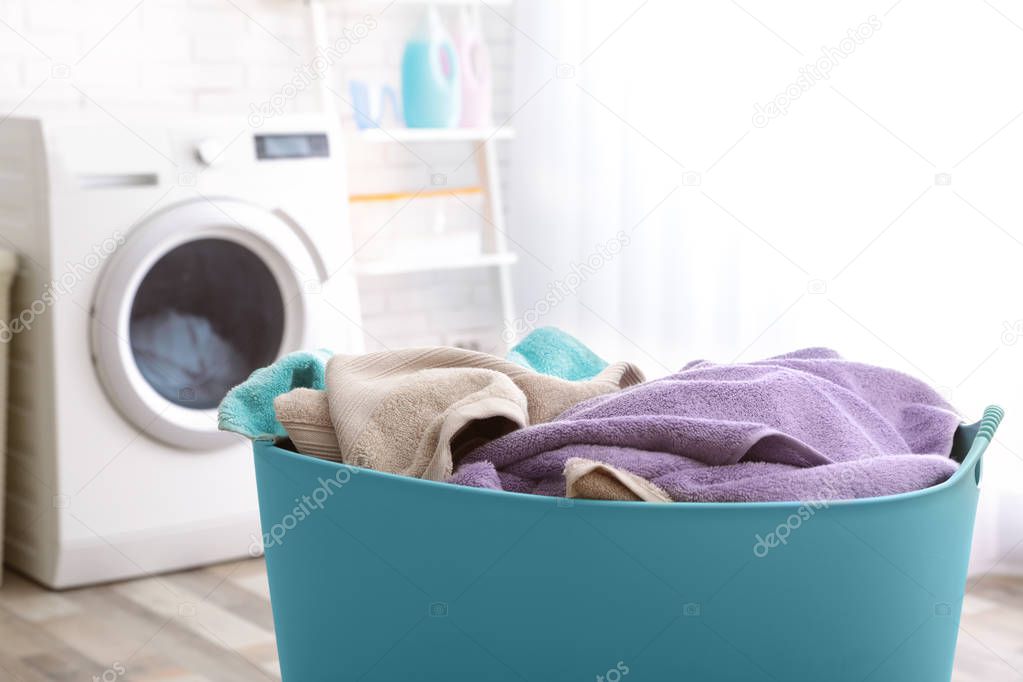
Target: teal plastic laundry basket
377,577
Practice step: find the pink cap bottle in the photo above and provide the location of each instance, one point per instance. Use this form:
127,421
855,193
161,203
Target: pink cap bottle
476,74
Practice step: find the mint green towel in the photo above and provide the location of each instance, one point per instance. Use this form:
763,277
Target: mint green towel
248,408
549,350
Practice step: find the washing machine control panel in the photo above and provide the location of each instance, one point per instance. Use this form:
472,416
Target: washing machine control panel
208,151
274,146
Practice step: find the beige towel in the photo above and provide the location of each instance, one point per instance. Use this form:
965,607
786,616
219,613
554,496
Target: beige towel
592,480
306,418
414,411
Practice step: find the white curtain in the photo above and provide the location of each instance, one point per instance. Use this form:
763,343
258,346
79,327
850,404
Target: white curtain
607,189
858,219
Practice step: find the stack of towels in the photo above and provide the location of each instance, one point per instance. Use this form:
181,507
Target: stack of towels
555,419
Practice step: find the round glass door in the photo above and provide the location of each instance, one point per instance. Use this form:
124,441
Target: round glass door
206,315
189,306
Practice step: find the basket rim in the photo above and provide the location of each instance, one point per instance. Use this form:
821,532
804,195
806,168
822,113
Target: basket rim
985,432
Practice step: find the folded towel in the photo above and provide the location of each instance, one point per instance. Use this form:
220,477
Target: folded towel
306,418
803,426
592,480
248,408
549,350
415,411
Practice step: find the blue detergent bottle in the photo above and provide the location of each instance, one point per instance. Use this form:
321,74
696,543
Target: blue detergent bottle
431,91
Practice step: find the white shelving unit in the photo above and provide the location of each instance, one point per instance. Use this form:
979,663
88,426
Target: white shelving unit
496,253
402,266
495,241
435,134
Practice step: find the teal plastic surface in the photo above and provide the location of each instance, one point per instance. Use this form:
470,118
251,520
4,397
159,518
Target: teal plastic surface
377,577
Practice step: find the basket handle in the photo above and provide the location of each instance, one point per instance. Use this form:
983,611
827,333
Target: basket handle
989,424
986,428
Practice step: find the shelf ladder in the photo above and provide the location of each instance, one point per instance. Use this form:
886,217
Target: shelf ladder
496,253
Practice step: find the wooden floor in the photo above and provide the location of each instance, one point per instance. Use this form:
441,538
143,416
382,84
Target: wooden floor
214,625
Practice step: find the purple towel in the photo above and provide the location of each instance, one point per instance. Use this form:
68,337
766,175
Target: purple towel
803,426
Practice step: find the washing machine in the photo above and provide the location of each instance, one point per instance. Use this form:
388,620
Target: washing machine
161,262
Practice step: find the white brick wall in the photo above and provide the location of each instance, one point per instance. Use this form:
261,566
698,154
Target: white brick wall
220,56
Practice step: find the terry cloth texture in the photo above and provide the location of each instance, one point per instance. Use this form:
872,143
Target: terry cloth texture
415,411
592,480
306,418
248,408
804,426
549,350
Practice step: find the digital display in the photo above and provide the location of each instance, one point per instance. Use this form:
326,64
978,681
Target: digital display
292,146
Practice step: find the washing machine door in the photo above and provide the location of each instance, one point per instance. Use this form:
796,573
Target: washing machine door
197,297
